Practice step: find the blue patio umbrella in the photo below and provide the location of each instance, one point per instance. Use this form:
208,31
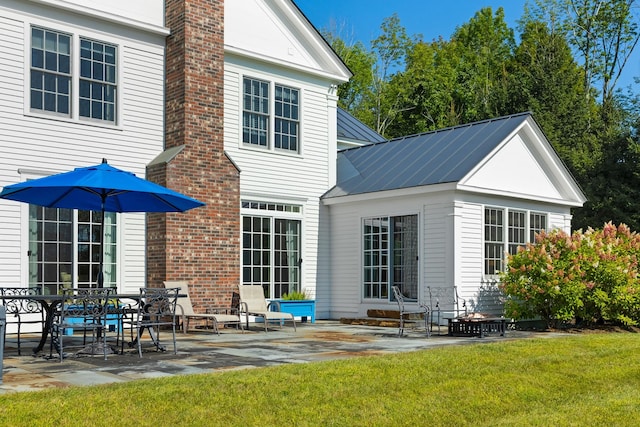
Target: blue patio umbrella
100,188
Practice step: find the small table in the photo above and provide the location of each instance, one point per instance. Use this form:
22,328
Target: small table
475,326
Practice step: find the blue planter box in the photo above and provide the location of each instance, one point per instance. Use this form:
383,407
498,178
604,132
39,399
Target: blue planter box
302,308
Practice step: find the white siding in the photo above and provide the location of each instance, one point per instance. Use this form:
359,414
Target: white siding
451,242
41,144
269,175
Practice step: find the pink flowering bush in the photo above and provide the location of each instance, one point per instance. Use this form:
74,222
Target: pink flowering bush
590,277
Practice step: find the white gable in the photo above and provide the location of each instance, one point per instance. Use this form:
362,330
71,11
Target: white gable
514,169
276,31
524,166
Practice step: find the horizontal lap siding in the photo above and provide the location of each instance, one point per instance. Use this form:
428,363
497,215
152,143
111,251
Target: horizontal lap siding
46,143
437,235
279,176
346,282
11,88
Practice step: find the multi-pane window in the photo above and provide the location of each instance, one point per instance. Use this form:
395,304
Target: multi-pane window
518,233
271,254
395,236
286,118
64,248
54,87
97,80
278,130
537,223
493,240
50,71
517,230
255,117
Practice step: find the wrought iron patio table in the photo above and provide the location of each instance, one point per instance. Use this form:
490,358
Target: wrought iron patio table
50,304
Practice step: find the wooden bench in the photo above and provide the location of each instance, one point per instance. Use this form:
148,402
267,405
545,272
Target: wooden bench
475,326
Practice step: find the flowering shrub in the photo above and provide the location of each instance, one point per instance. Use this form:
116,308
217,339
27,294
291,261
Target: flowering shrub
590,276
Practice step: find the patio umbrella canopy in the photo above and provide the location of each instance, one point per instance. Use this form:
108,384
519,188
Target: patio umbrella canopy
100,188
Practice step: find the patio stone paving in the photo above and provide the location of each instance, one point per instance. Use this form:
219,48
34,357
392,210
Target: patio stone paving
204,351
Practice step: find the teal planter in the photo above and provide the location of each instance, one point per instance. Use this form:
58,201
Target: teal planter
303,308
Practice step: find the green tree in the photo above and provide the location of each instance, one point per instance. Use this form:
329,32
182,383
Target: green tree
361,62
484,46
544,78
391,48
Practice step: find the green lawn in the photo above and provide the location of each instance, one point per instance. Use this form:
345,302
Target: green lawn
574,380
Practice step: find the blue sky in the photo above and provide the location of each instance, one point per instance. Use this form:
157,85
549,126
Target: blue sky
361,19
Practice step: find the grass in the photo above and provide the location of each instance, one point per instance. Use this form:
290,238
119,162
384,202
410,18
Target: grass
574,380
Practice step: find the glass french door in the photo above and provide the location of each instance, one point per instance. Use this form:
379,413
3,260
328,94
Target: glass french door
64,248
271,254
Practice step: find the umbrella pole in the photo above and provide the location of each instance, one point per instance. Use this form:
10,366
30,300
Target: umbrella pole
100,273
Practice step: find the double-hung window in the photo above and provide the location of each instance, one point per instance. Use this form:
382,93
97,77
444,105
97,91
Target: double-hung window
505,230
73,76
272,122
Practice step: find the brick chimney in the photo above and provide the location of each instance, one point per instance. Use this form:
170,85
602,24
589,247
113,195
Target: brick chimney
201,246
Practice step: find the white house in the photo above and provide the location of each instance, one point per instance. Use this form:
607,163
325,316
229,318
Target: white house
84,80
80,81
280,113
441,209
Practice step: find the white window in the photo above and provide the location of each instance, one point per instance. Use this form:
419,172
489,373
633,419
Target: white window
260,128
271,247
54,88
497,243
390,256
64,248
537,223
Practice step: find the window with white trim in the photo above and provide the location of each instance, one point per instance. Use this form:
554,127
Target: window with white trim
390,256
260,128
64,248
272,247
53,85
519,232
537,223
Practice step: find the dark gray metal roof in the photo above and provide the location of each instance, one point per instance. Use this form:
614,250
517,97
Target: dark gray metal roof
441,156
353,129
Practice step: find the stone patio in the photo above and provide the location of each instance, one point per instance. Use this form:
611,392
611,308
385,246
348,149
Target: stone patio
204,351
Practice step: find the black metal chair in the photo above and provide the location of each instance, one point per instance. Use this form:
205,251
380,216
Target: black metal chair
156,310
445,300
406,313
22,311
84,309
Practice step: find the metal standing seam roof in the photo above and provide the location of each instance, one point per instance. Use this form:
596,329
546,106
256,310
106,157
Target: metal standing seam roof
436,157
351,128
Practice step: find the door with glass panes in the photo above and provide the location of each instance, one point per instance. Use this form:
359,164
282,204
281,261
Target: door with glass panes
271,254
64,248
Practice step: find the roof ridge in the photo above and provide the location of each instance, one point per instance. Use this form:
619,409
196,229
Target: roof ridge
494,119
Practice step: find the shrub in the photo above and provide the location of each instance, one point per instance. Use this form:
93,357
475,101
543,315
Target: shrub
590,277
295,296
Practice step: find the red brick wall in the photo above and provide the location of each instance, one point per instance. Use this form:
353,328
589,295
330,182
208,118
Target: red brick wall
201,246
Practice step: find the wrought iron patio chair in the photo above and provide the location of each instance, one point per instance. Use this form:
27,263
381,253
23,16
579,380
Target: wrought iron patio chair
445,302
84,309
253,303
22,311
156,311
215,316
420,311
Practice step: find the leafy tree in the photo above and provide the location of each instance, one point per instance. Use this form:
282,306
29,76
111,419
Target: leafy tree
544,78
484,45
391,49
361,62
